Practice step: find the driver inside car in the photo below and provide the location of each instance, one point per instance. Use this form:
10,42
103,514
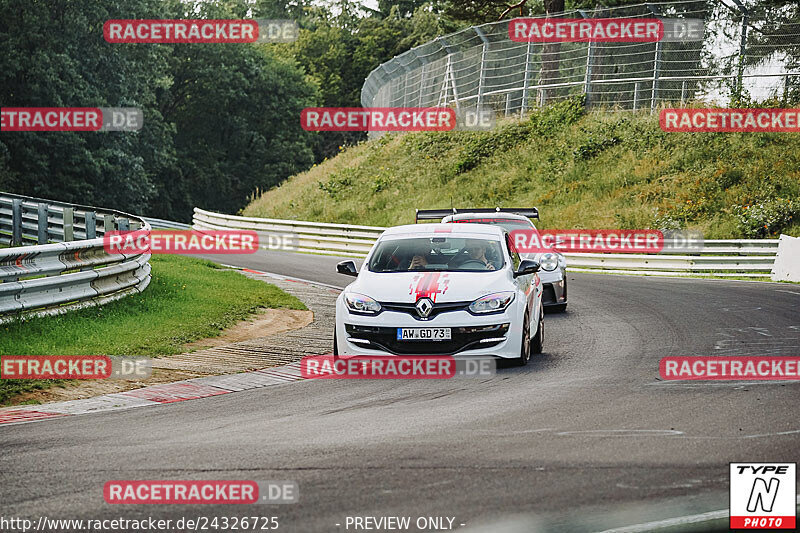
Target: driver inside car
476,251
418,262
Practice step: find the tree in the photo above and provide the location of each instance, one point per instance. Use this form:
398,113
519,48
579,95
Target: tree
53,54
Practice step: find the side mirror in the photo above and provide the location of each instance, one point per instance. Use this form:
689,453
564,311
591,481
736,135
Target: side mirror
527,266
348,268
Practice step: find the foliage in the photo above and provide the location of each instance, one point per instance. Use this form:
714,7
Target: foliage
582,170
219,120
766,219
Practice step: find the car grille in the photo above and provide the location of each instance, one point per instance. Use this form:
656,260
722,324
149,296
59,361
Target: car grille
464,338
437,309
548,294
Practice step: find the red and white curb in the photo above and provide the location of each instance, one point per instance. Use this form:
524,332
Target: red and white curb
179,391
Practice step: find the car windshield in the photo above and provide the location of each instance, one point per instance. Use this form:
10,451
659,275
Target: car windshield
452,254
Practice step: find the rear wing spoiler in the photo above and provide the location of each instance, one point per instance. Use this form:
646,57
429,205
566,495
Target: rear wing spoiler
438,214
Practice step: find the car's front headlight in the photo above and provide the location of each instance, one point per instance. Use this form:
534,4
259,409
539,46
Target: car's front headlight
492,303
359,303
549,262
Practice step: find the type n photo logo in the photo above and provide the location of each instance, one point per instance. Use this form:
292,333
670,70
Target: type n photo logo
763,495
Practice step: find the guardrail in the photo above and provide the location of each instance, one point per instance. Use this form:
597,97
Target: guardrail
722,258
57,262
312,237
158,223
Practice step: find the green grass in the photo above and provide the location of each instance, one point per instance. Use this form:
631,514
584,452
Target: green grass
188,299
582,170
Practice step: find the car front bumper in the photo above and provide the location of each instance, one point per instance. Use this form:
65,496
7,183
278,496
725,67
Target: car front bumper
554,287
495,335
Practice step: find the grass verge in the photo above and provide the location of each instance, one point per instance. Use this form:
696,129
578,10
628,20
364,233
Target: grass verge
188,299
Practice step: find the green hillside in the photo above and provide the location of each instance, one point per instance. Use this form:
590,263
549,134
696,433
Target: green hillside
597,170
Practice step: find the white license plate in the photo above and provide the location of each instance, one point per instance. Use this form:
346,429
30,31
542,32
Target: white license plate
423,334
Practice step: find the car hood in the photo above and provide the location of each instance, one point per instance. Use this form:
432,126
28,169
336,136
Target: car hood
442,287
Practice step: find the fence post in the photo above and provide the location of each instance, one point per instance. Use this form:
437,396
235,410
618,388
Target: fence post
69,221
587,84
508,103
527,80
482,78
43,212
421,85
587,81
16,222
656,62
742,47
656,66
90,220
636,94
683,92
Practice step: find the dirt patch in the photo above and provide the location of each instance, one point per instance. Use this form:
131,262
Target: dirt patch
263,324
268,322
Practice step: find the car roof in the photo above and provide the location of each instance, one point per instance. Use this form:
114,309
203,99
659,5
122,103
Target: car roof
443,230
489,216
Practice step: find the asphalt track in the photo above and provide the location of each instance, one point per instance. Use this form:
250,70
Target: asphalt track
585,438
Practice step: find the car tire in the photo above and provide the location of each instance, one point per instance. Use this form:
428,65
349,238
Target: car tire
525,348
537,344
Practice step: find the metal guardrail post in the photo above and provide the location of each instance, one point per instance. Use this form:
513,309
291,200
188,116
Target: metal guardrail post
90,220
16,222
43,212
123,224
482,77
108,223
69,224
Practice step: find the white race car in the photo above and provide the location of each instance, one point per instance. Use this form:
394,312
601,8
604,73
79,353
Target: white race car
442,289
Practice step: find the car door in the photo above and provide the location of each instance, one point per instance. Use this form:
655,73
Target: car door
529,285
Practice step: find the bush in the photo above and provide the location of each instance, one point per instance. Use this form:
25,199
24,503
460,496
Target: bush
765,218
